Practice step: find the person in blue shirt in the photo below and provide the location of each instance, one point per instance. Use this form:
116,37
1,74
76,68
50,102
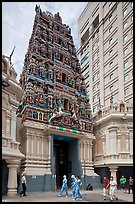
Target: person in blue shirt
73,186
77,188
64,186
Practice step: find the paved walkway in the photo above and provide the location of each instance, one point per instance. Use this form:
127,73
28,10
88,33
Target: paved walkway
88,196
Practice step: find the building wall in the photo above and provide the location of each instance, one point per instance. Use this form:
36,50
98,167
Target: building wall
11,155
109,44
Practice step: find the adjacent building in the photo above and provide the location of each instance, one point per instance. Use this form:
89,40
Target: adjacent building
11,155
105,37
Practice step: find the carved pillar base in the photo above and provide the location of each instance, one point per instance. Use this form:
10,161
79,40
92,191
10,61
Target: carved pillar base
12,178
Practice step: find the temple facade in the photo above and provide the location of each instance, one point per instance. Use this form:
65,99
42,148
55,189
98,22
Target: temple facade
56,132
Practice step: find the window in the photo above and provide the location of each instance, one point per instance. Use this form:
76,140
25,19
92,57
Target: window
131,4
125,12
131,18
94,78
85,67
131,31
126,78
110,5
98,85
125,38
111,88
110,18
111,76
84,58
110,29
86,75
94,110
125,52
94,88
110,41
110,53
126,91
125,25
94,67
111,64
97,64
94,99
126,64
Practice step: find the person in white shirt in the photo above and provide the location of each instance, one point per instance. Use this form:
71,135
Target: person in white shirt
113,187
23,181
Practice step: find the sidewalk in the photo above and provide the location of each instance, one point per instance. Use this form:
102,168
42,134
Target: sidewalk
88,196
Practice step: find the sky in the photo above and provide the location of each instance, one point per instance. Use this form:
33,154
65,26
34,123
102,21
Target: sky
18,20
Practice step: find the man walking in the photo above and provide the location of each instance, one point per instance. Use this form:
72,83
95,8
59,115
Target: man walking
122,184
130,184
106,187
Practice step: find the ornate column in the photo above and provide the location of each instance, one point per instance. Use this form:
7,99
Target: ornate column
90,152
112,137
127,142
12,177
103,139
8,123
13,124
49,146
81,150
118,141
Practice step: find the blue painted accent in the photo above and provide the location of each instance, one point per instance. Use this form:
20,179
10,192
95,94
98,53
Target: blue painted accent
63,138
39,183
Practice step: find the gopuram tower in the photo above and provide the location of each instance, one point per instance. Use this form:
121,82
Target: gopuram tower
56,130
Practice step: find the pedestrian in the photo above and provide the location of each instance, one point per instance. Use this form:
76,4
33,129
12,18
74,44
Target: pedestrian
112,187
18,182
105,187
64,187
78,184
24,184
122,184
73,186
130,184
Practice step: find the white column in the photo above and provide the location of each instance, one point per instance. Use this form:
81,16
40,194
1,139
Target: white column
80,150
13,126
49,146
12,178
42,147
32,152
90,152
127,142
27,144
8,123
131,142
118,142
113,170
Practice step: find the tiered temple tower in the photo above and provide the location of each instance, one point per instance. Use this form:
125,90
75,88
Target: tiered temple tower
57,129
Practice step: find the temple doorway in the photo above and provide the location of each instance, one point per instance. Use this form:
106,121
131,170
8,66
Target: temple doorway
66,154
